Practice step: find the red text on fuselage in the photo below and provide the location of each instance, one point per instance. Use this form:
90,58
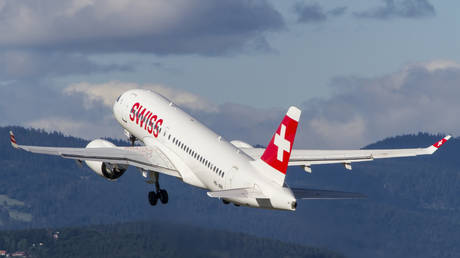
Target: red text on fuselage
145,119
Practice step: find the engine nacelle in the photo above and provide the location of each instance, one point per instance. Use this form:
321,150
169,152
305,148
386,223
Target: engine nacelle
106,170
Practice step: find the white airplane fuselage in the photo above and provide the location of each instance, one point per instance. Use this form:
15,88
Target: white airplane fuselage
203,158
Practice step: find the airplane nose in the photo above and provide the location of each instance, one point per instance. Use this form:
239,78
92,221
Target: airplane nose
116,106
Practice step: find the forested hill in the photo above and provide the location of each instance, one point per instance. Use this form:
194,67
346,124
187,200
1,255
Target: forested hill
149,240
412,209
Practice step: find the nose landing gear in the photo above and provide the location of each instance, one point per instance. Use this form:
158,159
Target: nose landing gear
131,138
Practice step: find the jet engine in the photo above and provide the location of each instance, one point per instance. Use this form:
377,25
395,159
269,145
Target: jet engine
104,169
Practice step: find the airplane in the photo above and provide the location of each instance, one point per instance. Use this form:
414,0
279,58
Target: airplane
176,144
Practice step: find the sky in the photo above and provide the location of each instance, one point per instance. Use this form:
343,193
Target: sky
360,70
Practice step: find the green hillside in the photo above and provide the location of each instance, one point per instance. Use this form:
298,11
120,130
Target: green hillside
412,209
149,240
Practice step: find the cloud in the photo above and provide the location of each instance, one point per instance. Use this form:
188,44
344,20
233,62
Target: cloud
338,11
22,65
107,93
72,127
30,103
204,27
399,9
419,97
243,122
309,13
314,13
362,110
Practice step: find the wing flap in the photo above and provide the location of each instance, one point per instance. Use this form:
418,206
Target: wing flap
303,194
250,192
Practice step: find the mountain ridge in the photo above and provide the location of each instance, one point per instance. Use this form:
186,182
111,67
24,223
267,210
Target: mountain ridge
411,210
149,239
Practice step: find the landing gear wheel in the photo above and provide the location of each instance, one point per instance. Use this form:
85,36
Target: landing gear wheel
153,198
163,196
158,193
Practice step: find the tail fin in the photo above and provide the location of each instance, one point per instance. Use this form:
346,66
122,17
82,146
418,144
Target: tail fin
278,151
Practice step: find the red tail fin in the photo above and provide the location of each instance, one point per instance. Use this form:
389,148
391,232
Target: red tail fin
279,149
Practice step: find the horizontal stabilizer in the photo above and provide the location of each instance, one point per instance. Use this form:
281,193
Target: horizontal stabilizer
300,194
250,192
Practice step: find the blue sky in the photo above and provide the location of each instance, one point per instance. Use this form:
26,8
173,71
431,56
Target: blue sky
360,70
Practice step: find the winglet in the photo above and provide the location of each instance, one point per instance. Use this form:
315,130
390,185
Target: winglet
433,148
13,140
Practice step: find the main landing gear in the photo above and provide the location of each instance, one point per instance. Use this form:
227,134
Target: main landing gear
153,178
158,194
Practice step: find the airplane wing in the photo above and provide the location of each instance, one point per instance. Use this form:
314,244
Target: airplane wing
145,157
307,158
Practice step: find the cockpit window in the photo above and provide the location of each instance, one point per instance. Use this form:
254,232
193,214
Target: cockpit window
118,98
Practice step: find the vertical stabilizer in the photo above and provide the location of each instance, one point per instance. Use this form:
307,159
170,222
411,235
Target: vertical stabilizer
275,159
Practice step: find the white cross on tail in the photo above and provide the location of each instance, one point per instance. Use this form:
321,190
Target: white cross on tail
282,144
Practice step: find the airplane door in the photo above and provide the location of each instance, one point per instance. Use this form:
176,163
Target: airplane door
230,177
